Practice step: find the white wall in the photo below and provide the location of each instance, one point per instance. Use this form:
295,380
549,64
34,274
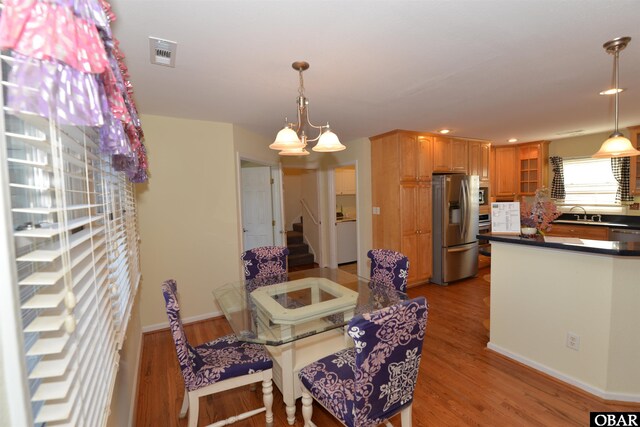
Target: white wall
591,295
189,211
292,186
357,150
578,146
187,214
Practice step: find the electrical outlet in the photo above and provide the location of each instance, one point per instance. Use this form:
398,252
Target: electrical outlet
573,341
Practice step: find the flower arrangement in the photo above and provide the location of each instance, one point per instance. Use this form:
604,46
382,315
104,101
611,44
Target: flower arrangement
539,214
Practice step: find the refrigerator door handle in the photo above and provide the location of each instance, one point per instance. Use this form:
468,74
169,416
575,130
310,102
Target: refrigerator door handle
463,208
461,249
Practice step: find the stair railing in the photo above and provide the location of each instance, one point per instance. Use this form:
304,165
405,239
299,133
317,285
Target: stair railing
311,231
311,215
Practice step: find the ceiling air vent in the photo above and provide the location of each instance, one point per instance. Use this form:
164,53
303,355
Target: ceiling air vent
162,52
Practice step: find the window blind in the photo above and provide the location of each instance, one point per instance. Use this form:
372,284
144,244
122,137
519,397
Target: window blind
589,181
74,225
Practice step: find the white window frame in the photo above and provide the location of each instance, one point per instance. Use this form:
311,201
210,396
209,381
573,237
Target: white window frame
589,192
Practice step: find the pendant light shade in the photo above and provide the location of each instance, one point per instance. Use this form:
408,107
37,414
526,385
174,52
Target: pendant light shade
294,152
328,142
286,139
293,142
616,145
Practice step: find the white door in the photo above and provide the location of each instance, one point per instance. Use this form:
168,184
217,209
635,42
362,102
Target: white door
257,212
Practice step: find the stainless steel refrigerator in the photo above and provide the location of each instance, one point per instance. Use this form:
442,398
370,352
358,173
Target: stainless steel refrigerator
455,227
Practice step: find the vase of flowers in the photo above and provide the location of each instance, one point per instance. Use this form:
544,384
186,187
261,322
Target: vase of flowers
540,214
528,227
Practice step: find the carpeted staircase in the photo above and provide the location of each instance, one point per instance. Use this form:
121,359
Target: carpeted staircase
298,250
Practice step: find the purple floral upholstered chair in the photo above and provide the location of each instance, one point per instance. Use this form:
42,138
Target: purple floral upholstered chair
389,267
219,365
265,265
366,385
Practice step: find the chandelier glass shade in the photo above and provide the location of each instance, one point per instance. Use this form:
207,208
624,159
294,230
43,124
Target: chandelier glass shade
616,145
293,139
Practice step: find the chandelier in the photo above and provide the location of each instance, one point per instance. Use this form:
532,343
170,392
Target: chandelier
616,145
292,139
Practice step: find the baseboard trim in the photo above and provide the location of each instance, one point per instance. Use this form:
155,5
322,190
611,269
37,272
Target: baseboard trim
603,394
186,320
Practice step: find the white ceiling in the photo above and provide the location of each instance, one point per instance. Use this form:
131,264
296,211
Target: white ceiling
529,69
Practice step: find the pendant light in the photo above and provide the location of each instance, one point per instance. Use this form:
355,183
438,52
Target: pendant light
292,139
616,145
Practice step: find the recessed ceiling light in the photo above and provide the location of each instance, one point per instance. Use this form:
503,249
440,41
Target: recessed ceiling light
611,91
444,131
513,140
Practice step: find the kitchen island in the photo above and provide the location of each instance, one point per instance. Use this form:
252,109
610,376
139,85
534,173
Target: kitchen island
571,310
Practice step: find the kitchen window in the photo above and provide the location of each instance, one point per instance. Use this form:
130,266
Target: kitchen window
589,181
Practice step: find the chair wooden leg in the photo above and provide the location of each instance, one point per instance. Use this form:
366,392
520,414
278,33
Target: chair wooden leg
405,417
185,404
307,408
194,409
267,399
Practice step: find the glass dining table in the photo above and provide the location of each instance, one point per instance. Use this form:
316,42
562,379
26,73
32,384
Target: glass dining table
300,317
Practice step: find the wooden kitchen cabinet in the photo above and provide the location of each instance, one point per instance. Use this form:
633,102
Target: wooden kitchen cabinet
479,155
450,155
345,181
415,227
402,163
416,159
533,167
505,181
401,169
591,232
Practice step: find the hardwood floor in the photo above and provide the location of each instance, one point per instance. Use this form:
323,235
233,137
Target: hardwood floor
461,383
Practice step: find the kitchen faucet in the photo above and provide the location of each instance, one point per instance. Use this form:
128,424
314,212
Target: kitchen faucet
584,211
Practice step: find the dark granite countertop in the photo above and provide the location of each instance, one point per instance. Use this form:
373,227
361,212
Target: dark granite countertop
590,246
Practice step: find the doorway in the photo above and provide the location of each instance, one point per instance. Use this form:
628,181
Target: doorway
344,233
302,213
261,206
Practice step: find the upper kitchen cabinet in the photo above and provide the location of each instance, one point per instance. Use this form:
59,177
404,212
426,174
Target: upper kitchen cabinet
416,161
634,176
450,154
505,184
479,155
519,170
533,167
345,181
